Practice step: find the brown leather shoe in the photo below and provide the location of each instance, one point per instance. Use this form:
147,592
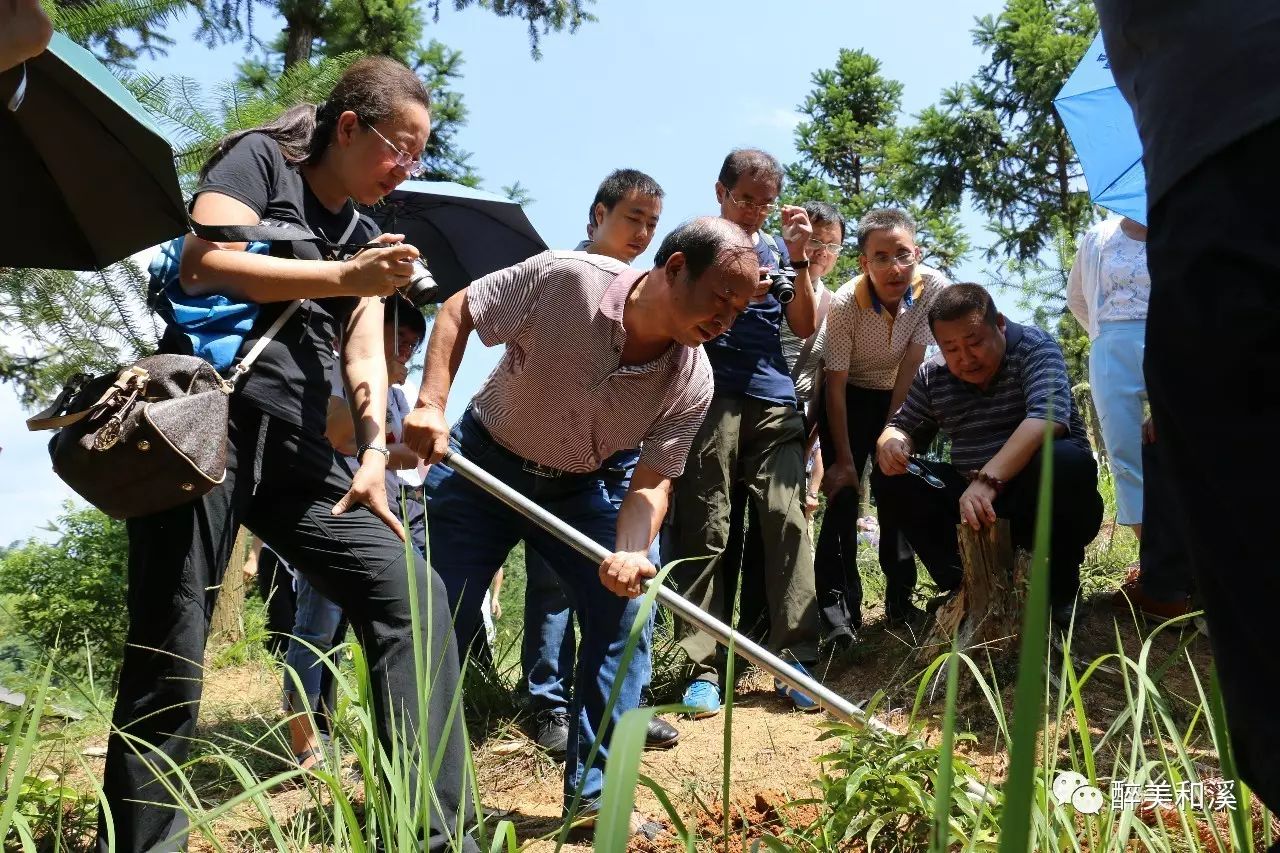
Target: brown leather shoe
1131,597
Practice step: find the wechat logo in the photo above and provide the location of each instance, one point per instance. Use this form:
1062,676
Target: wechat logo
1071,787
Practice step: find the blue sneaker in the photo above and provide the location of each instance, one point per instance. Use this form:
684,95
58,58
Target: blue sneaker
802,701
702,698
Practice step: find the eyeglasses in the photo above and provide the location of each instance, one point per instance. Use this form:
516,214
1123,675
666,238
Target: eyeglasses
817,245
906,259
766,207
412,165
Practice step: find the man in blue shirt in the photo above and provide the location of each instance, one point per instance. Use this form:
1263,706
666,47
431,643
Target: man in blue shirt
992,391
754,436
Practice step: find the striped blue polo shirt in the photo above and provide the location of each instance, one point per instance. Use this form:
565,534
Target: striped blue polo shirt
1030,382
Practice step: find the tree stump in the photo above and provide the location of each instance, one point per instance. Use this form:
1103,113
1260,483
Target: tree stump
987,609
227,624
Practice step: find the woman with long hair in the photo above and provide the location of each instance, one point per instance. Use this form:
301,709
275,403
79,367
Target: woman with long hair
283,483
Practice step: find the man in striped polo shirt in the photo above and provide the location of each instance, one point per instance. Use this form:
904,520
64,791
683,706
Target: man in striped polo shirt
991,391
600,358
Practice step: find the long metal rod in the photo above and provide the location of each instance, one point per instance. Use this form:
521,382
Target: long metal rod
830,701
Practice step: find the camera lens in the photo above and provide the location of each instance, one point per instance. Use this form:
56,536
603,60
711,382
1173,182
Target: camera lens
422,288
784,287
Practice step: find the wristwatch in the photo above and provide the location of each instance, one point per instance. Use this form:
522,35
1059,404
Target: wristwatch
386,454
802,264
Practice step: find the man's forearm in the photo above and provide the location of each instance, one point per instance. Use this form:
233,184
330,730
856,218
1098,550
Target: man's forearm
448,342
802,311
907,369
838,418
1026,440
640,518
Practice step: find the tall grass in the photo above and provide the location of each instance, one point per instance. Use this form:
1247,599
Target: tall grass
885,792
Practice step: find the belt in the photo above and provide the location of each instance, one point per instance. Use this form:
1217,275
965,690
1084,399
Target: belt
526,465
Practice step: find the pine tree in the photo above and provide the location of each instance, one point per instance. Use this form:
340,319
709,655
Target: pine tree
998,136
850,155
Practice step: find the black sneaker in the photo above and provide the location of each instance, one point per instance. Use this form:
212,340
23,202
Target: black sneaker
933,605
841,638
906,615
553,731
661,734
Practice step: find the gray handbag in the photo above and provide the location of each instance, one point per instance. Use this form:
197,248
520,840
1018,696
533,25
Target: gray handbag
149,438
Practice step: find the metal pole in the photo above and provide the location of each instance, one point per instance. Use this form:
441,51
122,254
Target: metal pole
829,700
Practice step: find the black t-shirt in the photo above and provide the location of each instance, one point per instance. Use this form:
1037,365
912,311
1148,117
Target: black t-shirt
290,379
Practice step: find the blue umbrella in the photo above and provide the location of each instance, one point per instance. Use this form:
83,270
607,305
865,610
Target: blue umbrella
1100,123
463,233
89,178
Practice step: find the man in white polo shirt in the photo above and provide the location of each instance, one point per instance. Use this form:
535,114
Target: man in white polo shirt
599,358
877,332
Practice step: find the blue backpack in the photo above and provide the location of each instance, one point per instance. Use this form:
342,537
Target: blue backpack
216,325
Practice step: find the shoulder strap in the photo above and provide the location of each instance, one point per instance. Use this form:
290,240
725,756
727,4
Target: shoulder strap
273,233
802,360
772,243
351,226
250,357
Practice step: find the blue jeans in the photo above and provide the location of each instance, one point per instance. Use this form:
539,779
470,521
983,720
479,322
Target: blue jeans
549,646
471,534
315,623
1115,376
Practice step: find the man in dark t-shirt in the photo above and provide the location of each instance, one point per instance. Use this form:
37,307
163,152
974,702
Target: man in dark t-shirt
754,436
1213,331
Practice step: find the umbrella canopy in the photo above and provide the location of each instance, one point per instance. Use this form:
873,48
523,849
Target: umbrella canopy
1100,123
89,178
464,234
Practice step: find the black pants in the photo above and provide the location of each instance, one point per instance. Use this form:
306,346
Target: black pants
275,585
1166,568
176,563
835,564
929,516
1213,346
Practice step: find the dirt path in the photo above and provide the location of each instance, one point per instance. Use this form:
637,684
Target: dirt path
774,747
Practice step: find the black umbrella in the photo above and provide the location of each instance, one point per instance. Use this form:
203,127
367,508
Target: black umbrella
463,233
88,178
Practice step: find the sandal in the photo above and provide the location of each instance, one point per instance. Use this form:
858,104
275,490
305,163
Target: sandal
316,753
640,825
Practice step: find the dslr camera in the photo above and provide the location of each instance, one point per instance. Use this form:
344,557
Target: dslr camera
783,288
422,289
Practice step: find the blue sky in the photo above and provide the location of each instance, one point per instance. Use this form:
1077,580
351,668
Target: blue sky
666,86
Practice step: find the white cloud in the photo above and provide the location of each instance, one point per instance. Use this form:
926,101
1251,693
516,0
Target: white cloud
777,117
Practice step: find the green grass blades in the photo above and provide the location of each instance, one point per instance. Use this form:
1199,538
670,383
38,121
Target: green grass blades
941,839
613,825
1021,786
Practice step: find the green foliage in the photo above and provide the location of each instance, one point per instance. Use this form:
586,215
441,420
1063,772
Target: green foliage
550,15
77,322
118,31
998,136
851,155
880,788
69,596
